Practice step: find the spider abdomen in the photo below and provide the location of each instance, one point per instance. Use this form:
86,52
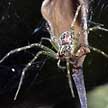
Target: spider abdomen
66,43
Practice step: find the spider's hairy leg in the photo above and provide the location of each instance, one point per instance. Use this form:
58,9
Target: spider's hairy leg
76,15
69,78
51,41
25,48
59,66
95,23
45,38
98,51
98,27
28,65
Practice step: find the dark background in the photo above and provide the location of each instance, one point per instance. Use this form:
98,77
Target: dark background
44,85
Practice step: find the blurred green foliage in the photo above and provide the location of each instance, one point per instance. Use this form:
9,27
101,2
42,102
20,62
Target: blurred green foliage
98,97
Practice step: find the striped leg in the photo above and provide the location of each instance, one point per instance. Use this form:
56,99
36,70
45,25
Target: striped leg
26,68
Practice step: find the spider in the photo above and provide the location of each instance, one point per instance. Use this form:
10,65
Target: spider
67,49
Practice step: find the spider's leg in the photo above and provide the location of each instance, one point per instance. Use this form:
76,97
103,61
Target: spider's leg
99,51
76,15
69,78
95,23
59,65
25,48
98,27
51,41
80,86
26,68
45,38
